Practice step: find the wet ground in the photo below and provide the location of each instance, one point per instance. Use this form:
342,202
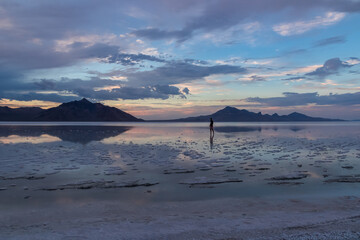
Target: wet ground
141,164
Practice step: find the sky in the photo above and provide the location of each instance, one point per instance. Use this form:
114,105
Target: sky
165,59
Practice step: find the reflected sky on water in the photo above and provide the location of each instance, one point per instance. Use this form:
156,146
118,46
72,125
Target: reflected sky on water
37,156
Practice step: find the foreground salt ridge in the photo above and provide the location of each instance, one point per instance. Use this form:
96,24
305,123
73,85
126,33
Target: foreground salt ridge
336,218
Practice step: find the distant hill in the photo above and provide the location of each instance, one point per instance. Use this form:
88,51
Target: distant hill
86,111
231,114
19,114
82,110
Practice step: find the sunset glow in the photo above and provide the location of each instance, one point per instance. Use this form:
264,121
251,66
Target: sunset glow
173,59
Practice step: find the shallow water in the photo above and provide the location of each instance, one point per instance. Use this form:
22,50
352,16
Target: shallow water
59,163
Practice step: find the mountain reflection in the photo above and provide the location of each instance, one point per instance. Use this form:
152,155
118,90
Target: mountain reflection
230,129
237,129
76,134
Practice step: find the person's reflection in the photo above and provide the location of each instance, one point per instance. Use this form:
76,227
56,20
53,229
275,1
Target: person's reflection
211,141
212,133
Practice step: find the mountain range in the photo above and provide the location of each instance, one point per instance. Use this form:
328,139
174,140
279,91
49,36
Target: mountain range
231,114
82,110
86,111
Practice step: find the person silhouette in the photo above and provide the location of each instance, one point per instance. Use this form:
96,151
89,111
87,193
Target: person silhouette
212,127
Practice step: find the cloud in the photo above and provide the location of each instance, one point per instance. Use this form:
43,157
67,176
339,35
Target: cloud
181,20
32,56
157,34
195,61
299,27
30,96
251,79
186,91
353,61
256,78
293,79
70,89
157,83
224,14
51,35
133,93
331,66
176,72
299,99
127,59
329,41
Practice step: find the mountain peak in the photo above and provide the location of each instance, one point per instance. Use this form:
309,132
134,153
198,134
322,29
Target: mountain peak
84,110
296,114
229,109
84,100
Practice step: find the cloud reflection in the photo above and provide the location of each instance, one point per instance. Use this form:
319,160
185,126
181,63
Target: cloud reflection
14,139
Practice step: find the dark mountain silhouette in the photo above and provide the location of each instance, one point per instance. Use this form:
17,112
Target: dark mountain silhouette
76,134
19,114
231,114
87,111
82,110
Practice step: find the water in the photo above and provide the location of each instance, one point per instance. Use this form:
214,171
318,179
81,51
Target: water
59,163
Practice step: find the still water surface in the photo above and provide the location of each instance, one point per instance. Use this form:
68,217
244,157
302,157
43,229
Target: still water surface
56,163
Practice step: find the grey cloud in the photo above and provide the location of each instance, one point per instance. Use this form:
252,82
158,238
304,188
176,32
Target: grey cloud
156,83
331,66
157,34
223,14
195,61
31,43
37,57
11,80
255,78
329,41
292,78
159,92
179,72
9,77
186,91
166,89
66,84
132,59
45,84
86,88
51,20
125,92
299,99
99,50
29,56
53,97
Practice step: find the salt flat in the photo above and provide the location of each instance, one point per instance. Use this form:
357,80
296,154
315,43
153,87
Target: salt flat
171,181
